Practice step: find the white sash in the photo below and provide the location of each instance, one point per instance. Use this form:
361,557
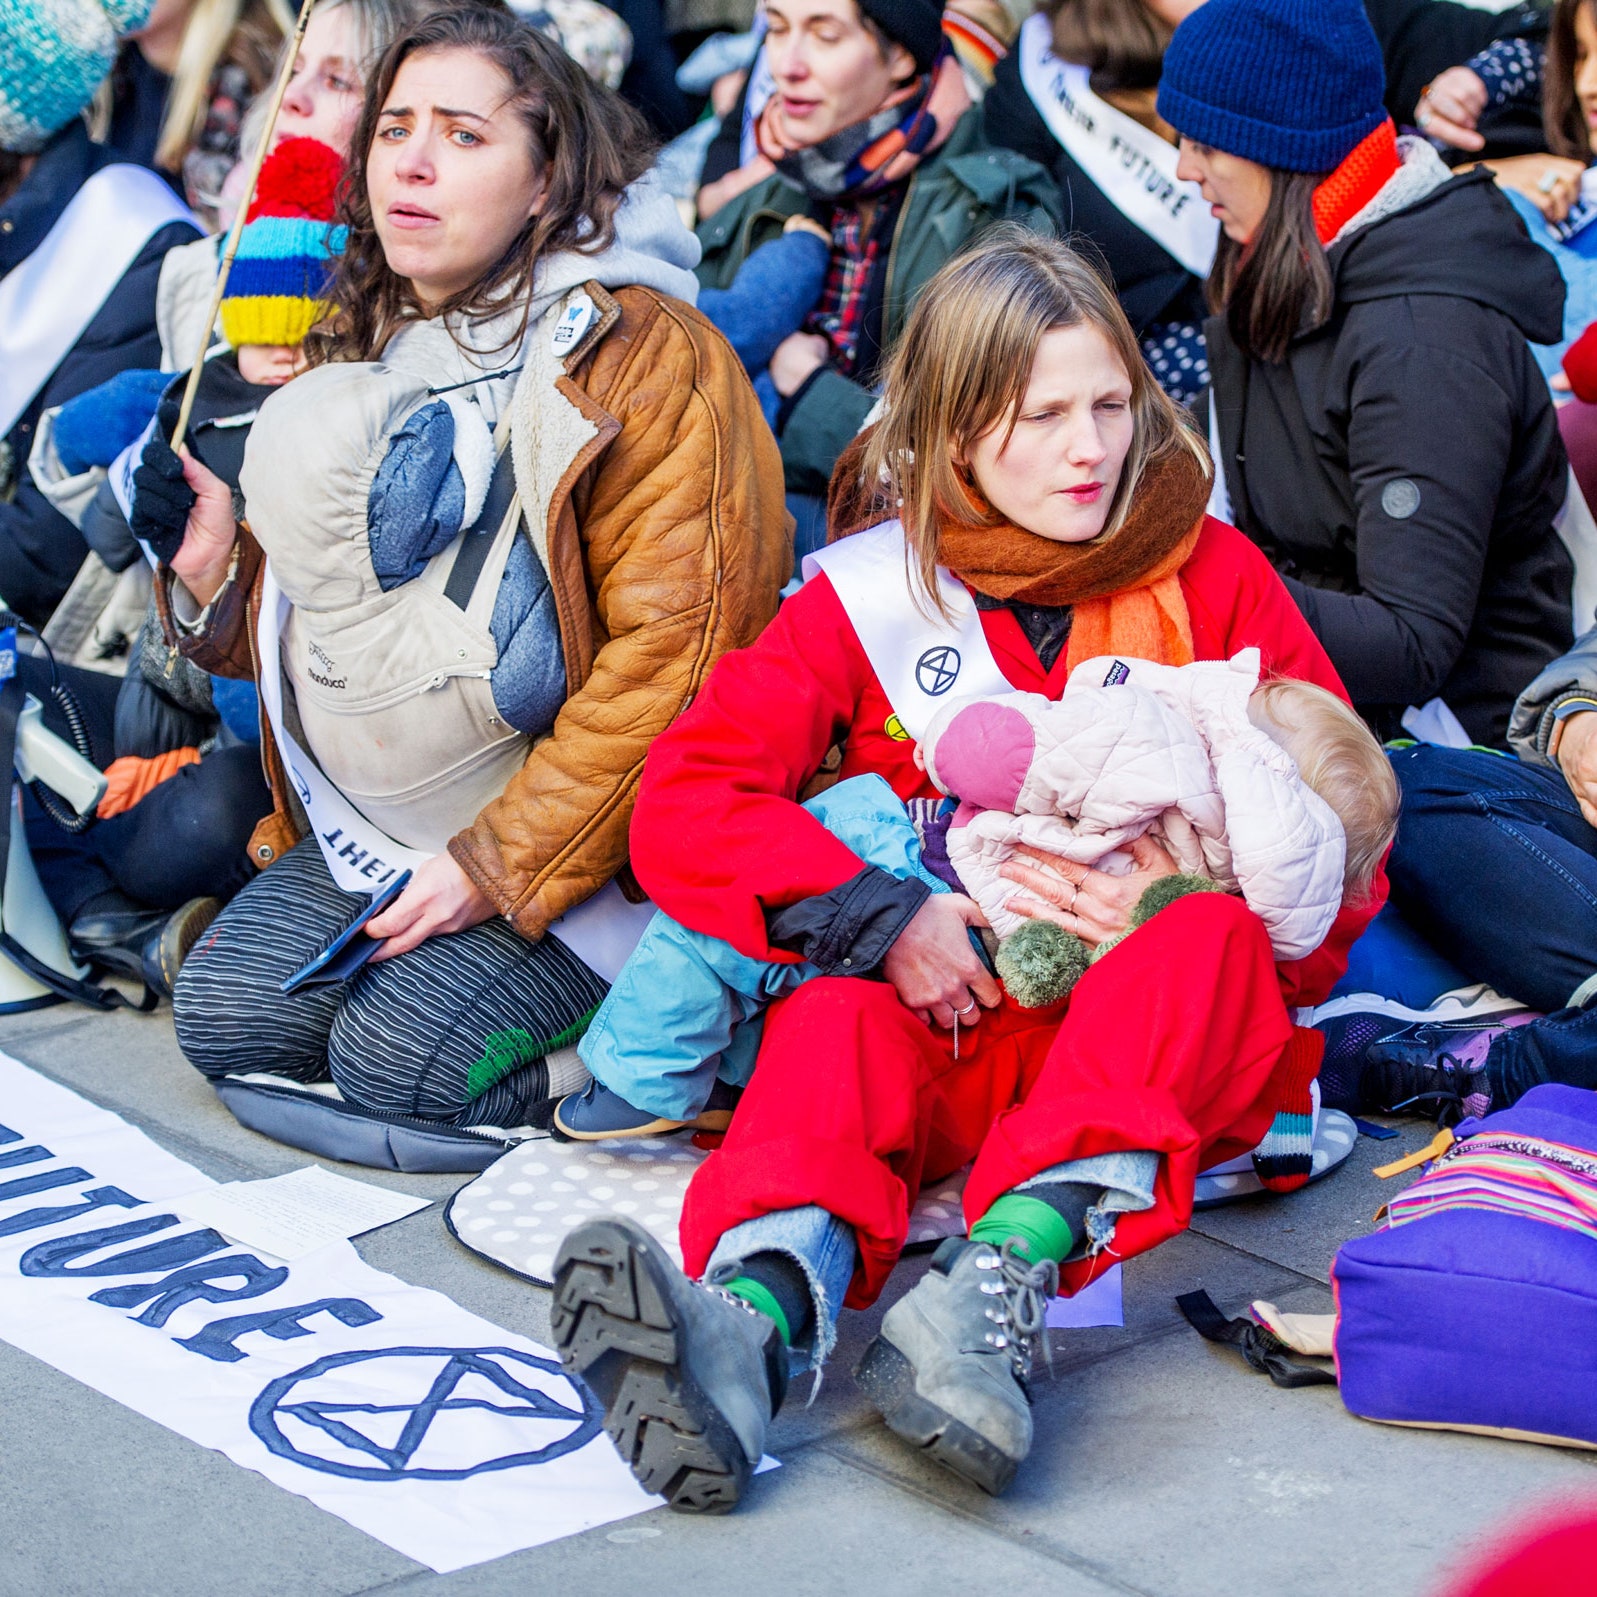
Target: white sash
48,300
602,931
1134,167
918,659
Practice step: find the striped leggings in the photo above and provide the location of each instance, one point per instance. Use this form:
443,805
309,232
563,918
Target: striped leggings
454,1031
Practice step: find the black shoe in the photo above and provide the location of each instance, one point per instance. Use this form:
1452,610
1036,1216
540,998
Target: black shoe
1410,1074
689,1375
145,945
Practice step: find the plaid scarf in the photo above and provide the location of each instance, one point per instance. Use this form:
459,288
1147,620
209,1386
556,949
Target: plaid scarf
839,314
883,149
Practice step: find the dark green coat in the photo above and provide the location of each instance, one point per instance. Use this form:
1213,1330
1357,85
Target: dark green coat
959,191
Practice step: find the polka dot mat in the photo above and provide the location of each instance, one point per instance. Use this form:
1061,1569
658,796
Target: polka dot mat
520,1208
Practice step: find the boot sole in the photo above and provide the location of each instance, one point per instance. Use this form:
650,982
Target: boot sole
613,1326
888,1379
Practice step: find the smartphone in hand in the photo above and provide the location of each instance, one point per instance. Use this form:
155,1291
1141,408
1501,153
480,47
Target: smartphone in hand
350,949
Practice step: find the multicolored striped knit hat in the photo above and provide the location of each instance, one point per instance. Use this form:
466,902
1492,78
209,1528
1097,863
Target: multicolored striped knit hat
53,55
277,289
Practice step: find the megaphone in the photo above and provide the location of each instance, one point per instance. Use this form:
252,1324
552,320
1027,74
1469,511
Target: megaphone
26,915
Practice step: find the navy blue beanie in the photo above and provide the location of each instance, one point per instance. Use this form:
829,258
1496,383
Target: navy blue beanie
1293,84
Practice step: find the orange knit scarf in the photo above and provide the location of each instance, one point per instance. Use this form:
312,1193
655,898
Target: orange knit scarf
1364,172
1124,589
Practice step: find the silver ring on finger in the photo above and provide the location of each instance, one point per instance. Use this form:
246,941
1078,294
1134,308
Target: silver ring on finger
969,1009
1547,182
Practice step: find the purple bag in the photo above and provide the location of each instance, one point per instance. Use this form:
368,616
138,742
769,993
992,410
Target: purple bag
1475,1307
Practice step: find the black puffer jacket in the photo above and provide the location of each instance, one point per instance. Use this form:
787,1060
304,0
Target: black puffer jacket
1152,284
40,550
1402,467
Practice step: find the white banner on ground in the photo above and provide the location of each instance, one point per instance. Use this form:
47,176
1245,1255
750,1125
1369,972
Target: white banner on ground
446,1437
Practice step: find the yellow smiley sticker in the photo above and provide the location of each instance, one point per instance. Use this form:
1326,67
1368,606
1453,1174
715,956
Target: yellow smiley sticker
894,728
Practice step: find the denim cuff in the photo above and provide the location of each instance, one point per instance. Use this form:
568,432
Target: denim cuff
1127,1180
848,931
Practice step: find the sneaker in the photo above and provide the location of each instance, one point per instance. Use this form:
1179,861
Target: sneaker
598,1115
1462,1024
690,1376
949,1368
1436,1069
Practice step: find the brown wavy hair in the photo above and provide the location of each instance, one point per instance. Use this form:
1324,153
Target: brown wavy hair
588,144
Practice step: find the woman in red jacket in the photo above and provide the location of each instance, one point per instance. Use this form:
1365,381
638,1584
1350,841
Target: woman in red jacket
1050,509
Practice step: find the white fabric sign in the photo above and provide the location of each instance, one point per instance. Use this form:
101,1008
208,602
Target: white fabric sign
444,1436
918,658
1133,166
602,931
48,300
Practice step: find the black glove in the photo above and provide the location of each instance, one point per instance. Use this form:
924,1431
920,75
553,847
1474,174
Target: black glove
161,498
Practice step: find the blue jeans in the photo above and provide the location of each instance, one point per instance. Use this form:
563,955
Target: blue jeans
1497,867
821,1245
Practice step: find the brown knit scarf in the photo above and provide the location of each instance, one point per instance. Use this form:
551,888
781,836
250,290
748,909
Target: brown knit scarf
1124,589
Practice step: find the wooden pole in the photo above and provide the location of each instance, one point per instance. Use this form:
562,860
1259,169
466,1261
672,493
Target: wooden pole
278,91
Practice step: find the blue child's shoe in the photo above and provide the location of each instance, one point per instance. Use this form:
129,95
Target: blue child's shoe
598,1115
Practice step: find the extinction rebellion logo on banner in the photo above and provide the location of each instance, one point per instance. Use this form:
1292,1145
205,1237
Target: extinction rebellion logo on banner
447,1437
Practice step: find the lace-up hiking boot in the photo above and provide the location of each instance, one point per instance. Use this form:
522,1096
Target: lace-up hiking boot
690,1376
948,1369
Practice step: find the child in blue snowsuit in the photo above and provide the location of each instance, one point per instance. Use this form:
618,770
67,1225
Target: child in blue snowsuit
687,1010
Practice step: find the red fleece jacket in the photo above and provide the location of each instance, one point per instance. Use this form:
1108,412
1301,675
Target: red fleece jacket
718,837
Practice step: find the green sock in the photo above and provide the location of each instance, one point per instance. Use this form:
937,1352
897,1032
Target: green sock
759,1296
1043,1233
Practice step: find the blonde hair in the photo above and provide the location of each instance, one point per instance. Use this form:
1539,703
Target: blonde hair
1338,757
212,34
963,366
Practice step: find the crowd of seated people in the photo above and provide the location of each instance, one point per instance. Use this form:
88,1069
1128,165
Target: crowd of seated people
565,518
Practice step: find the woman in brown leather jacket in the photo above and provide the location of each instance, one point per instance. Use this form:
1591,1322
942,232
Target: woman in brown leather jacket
493,545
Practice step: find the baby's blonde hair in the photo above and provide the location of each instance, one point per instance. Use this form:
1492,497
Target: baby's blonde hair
1338,757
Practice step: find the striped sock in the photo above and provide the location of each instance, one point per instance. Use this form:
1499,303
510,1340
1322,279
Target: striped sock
1284,1160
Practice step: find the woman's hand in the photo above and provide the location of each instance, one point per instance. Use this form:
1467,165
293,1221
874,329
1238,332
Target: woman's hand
1577,759
1451,106
933,967
796,357
205,555
1550,182
440,898
1091,903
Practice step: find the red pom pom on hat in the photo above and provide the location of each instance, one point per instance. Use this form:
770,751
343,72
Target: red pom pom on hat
299,178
